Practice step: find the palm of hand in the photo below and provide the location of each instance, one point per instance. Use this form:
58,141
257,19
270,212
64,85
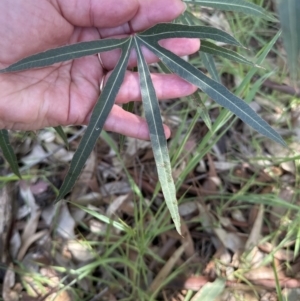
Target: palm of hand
65,94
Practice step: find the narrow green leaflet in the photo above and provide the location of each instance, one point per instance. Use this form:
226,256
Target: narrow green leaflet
209,64
216,91
62,135
241,6
8,152
289,12
64,53
157,136
211,48
171,30
99,115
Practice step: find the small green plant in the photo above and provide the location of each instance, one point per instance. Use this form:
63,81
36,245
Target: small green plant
183,28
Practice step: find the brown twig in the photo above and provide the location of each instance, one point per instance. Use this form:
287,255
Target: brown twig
281,88
194,283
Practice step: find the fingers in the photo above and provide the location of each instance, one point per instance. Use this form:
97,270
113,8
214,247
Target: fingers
167,86
150,12
106,13
29,27
180,46
128,124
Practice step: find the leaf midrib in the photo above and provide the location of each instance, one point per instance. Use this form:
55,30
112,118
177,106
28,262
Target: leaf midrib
157,47
97,120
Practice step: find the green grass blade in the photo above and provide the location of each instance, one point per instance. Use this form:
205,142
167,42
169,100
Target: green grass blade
178,148
99,115
225,121
216,91
64,53
211,48
210,66
59,130
241,6
8,152
278,283
171,30
102,217
202,109
261,56
289,12
157,136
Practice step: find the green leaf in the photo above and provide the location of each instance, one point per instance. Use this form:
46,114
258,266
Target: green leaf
209,64
103,218
241,6
171,30
289,12
8,152
157,136
211,48
211,290
64,53
105,102
99,115
225,121
62,135
216,91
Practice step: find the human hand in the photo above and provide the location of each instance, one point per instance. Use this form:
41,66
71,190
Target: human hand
65,94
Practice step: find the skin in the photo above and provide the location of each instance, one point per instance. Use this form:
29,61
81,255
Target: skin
65,94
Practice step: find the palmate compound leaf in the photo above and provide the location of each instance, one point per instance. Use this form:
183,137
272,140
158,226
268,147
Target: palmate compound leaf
216,91
241,6
99,115
157,136
8,152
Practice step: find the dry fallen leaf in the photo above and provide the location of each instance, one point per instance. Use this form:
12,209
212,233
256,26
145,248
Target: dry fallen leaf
8,293
166,269
80,250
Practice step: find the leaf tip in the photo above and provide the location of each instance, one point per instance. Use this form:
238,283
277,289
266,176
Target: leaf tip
178,228
282,142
